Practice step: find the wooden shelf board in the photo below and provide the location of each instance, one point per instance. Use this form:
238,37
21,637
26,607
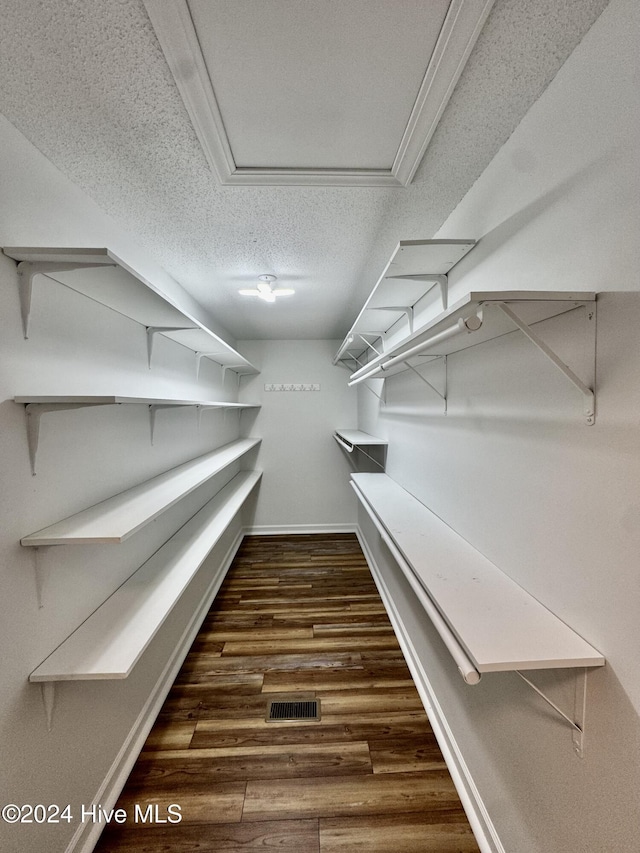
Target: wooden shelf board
110,642
115,519
500,625
359,438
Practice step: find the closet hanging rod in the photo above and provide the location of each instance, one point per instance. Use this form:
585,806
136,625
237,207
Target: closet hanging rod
464,324
348,447
465,666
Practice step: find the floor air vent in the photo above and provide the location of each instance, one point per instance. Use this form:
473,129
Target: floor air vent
288,710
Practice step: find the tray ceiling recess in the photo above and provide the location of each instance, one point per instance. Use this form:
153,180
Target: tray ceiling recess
284,93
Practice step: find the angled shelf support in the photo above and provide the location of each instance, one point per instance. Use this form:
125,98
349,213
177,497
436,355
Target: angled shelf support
155,407
377,335
440,281
588,394
33,413
152,331
442,394
27,270
407,310
577,721
201,355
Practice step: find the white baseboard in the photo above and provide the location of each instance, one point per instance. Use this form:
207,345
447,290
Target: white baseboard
475,809
86,837
303,529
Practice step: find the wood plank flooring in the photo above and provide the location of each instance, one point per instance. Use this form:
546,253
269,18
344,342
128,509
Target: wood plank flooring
295,615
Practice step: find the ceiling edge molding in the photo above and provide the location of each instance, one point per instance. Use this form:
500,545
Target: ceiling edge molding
175,30
173,25
459,33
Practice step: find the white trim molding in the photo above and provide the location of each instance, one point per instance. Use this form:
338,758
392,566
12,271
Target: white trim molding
174,27
298,529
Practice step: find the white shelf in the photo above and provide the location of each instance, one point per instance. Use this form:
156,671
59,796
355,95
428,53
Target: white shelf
103,277
357,438
425,263
485,316
118,517
532,306
109,400
497,624
36,406
110,642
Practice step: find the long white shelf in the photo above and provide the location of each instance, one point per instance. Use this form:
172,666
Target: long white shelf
494,621
36,406
357,438
482,316
110,642
415,268
115,519
113,400
448,332
99,274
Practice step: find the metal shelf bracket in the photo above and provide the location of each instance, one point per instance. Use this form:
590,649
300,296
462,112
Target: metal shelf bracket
441,281
588,394
407,310
158,330
48,690
442,394
201,355
376,335
27,270
577,723
42,574
34,412
153,408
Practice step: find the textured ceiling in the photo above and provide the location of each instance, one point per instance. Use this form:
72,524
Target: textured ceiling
86,82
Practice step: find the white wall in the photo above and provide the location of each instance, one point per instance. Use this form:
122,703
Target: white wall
77,346
513,467
305,486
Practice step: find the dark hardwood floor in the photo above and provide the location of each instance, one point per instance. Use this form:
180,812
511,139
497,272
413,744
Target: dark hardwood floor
296,615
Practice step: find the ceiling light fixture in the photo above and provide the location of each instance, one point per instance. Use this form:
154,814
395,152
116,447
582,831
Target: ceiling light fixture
265,291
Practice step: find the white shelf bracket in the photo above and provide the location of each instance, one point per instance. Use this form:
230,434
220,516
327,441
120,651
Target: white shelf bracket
153,408
577,723
34,412
440,281
442,394
42,574
588,394
383,397
361,335
48,690
233,368
27,270
152,331
201,355
407,310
